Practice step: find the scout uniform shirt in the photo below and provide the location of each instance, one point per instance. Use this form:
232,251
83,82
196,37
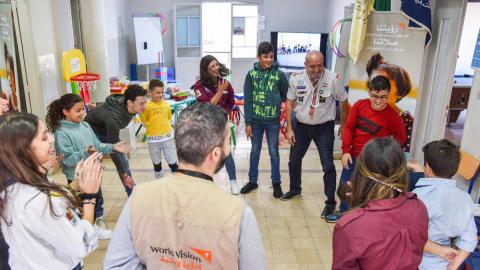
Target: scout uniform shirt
322,109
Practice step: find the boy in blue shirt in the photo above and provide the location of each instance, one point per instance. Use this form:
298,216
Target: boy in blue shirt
450,210
265,89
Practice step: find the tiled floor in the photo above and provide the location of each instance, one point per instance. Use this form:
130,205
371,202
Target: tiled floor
294,235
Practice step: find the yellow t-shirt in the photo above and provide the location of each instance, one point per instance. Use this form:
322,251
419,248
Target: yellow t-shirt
157,120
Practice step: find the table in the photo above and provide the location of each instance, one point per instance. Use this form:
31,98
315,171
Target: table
459,98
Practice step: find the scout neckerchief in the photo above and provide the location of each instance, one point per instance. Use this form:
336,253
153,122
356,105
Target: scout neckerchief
314,102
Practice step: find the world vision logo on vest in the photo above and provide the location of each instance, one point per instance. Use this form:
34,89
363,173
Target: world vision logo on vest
183,259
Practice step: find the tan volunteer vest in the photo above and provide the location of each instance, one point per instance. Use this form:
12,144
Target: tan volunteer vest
182,222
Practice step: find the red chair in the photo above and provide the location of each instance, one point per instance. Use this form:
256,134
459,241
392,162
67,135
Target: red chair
236,113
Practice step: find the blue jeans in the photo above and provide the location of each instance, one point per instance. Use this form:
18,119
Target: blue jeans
121,158
323,135
272,132
230,166
346,176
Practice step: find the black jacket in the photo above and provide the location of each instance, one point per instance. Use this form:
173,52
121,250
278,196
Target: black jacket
106,120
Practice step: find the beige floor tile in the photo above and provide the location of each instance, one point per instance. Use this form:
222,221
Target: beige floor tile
286,266
312,267
303,243
307,256
284,256
281,243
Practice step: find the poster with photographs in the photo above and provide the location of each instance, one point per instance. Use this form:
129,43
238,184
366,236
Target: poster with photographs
392,50
8,78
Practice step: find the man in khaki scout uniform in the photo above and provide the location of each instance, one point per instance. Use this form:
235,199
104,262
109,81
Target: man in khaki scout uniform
184,221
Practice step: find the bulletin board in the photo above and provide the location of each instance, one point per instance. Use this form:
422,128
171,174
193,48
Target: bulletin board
148,38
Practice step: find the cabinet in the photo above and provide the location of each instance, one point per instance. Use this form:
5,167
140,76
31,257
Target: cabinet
459,98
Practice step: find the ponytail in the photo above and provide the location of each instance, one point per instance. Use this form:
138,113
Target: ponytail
55,110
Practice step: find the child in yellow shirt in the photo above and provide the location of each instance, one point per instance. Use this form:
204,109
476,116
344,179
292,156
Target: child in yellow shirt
157,120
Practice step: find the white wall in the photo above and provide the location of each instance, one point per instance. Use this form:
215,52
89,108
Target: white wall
470,30
41,51
117,19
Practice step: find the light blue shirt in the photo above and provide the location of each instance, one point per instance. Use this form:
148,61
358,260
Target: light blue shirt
121,253
450,213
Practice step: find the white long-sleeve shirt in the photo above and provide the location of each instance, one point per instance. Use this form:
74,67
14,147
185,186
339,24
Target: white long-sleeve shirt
39,239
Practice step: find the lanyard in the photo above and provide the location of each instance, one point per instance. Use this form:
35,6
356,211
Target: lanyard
195,174
314,102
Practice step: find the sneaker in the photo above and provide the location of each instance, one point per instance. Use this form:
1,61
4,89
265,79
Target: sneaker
248,188
158,174
277,191
287,196
102,234
234,188
327,211
100,222
333,217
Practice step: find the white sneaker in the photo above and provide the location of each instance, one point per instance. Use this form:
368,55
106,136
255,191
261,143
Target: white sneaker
158,174
102,234
100,222
234,188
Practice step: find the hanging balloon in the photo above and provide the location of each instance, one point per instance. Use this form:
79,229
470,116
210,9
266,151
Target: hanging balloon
163,22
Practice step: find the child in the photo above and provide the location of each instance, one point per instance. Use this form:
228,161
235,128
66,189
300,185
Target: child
39,218
75,139
387,226
368,119
265,89
450,209
157,119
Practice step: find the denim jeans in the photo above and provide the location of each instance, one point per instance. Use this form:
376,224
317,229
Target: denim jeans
272,132
344,177
123,159
230,166
323,137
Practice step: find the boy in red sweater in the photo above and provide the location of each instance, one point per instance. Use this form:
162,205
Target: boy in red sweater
368,119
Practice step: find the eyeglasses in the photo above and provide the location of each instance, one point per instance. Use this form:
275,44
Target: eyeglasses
381,98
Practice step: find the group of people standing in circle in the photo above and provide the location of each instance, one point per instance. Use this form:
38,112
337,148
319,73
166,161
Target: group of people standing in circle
46,225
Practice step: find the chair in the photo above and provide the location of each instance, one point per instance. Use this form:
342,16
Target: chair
283,121
470,169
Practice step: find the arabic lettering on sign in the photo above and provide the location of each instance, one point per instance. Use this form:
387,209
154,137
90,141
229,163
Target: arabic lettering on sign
391,29
384,41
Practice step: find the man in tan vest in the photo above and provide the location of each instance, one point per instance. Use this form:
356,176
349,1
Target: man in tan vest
184,221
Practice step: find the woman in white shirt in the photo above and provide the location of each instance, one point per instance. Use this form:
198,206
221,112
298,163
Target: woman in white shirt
40,219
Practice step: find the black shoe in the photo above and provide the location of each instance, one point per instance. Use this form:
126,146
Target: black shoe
287,196
248,187
327,211
277,191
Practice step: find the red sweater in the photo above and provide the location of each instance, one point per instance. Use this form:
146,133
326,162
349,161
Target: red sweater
385,234
364,123
205,94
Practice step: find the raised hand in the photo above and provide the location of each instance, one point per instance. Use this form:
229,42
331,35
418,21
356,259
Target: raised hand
89,174
122,147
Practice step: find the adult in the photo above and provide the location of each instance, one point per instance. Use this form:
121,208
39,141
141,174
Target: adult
214,88
312,95
387,227
185,219
108,118
39,218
